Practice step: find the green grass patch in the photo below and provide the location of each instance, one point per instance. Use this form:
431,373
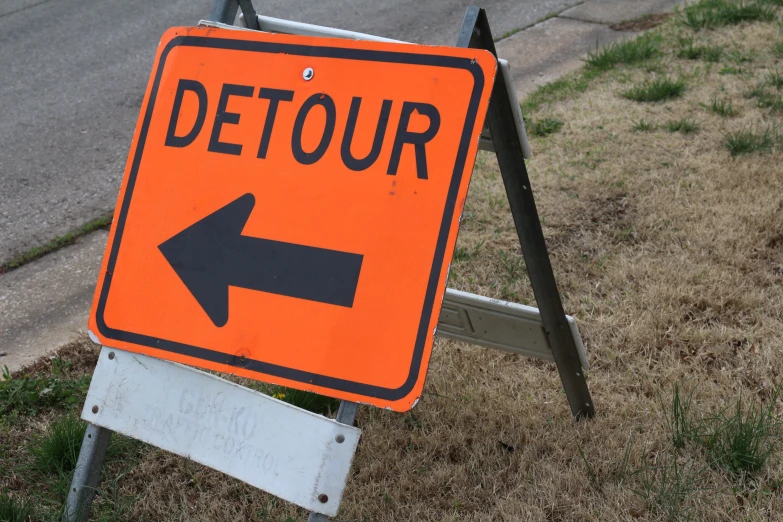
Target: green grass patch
628,53
764,98
683,125
775,79
708,53
747,434
739,56
57,450
777,49
56,243
711,14
660,89
683,428
723,107
667,484
731,70
644,126
543,127
748,141
27,394
463,253
15,510
559,89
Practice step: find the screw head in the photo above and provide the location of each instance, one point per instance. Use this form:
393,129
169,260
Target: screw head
95,409
111,355
340,438
308,73
323,499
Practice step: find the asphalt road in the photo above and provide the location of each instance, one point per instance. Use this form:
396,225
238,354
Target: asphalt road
73,73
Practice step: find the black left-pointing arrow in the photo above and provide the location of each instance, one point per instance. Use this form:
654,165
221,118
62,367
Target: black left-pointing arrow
212,254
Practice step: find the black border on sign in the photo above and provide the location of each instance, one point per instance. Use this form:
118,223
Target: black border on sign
324,381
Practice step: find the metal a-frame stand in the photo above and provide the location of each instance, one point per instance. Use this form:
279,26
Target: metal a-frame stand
506,139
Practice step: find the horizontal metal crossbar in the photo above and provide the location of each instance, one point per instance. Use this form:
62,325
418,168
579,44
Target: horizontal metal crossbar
493,323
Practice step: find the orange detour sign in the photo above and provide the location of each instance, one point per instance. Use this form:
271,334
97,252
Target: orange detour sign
290,207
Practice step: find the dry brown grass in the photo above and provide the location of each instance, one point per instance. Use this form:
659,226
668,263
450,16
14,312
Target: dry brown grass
670,254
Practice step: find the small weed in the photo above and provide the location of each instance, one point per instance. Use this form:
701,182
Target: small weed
643,126
591,474
682,426
747,141
58,449
700,52
775,79
656,90
712,53
666,486
683,125
731,70
722,107
739,57
777,50
461,254
543,127
15,510
27,394
759,92
629,52
512,263
746,436
765,99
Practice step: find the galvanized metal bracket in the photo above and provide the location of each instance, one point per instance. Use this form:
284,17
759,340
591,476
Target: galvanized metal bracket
88,471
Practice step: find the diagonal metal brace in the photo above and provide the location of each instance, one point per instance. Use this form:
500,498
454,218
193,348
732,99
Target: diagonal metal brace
475,33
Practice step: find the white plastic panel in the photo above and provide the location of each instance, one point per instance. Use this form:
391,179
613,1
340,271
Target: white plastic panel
499,324
289,452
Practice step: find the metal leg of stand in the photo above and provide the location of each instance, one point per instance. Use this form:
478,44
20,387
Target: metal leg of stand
345,415
87,472
475,32
225,12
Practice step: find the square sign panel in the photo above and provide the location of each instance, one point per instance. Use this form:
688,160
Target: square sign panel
290,208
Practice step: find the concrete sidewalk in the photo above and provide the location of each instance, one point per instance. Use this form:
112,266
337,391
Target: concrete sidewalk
45,304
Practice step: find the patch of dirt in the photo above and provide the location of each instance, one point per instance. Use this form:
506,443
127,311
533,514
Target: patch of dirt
81,355
642,23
